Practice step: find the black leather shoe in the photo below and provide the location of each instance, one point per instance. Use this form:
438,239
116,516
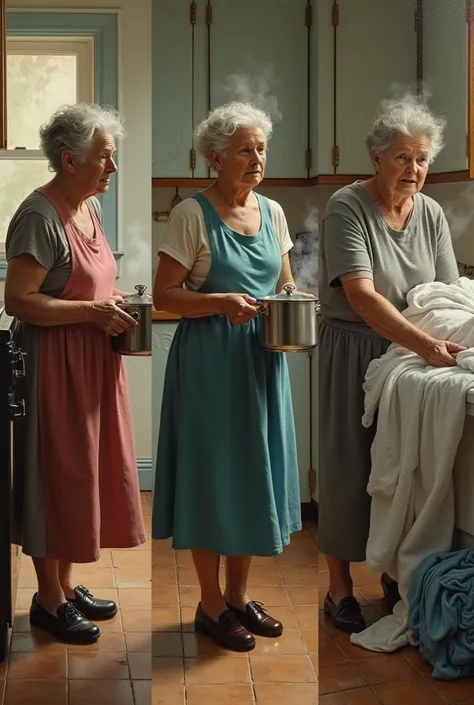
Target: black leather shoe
257,621
390,590
346,616
228,632
91,607
70,625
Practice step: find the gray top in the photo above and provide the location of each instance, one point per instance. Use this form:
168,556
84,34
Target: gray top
355,237
36,229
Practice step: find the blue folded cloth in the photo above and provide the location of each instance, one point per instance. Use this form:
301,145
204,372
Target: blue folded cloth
441,612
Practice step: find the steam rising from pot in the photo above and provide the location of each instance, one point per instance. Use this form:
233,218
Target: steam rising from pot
253,85
304,254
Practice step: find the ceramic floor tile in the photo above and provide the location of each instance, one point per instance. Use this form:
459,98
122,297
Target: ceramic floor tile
199,646
133,577
167,644
34,642
302,595
167,671
286,693
93,578
36,692
135,597
385,668
167,695
219,695
140,665
339,676
164,575
289,644
142,692
131,557
358,696
108,641
100,692
136,619
164,596
111,665
138,641
282,669
227,671
166,619
299,575
416,690
43,665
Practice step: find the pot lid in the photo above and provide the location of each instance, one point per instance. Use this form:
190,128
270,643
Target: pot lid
140,298
289,296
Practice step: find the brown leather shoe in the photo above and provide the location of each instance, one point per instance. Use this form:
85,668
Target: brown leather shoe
257,621
228,632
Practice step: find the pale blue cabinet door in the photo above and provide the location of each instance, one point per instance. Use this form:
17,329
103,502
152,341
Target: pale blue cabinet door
259,51
172,88
162,338
322,88
299,366
376,48
445,74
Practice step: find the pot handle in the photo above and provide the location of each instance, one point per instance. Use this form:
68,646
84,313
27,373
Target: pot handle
262,308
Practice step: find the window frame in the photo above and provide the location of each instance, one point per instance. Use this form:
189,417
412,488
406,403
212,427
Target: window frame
102,28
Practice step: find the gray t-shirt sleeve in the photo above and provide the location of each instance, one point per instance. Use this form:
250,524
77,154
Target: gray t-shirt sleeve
446,266
32,234
345,246
97,208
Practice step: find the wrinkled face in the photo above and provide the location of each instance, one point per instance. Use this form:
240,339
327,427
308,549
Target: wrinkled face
245,159
402,168
92,175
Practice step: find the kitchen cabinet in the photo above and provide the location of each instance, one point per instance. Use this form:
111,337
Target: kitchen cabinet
375,50
204,56
445,76
259,51
303,397
179,86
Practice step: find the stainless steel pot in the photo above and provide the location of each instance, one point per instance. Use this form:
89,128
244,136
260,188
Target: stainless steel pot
137,339
290,321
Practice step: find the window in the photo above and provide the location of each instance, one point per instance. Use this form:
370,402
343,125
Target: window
41,75
52,59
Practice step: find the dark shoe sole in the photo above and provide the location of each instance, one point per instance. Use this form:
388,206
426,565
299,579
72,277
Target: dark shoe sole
98,617
61,637
201,628
344,626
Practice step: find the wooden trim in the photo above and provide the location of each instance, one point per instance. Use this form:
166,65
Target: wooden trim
164,316
470,86
447,176
3,75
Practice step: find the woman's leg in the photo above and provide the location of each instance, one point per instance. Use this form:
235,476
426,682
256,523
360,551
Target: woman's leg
65,578
237,573
207,566
50,592
340,580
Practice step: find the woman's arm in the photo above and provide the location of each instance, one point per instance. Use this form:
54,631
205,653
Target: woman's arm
23,298
384,318
169,295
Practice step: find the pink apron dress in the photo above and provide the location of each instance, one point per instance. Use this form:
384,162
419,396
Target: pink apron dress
88,462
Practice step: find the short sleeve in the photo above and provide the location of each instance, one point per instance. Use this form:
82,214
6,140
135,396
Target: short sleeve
180,240
446,266
345,245
280,226
32,234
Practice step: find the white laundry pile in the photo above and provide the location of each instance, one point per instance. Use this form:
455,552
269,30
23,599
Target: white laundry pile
421,415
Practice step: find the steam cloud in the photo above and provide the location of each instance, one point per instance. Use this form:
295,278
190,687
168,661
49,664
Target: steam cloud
304,254
253,85
137,260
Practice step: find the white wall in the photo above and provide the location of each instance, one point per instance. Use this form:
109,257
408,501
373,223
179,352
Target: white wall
135,170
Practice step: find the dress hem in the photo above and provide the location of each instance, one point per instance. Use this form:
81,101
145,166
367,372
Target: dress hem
114,546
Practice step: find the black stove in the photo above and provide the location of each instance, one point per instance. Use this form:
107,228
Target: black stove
12,412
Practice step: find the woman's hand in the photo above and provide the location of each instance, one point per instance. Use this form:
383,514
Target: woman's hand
239,308
109,317
440,353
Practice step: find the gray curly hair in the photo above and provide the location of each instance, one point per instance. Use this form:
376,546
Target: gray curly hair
216,131
72,128
407,116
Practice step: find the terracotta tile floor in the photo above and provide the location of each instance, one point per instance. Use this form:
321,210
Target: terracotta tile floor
349,675
191,669
114,671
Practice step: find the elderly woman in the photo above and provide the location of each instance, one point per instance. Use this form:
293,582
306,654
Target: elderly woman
227,471
78,488
380,238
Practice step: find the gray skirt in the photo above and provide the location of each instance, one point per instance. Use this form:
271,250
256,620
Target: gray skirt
345,351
